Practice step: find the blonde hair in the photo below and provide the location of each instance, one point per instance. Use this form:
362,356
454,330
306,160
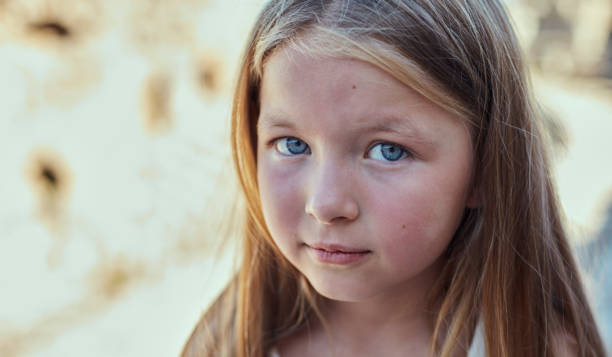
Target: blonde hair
509,264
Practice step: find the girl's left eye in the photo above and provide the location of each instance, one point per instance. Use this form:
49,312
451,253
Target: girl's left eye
387,152
291,146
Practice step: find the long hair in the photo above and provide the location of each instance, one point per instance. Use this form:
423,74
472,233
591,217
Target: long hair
509,264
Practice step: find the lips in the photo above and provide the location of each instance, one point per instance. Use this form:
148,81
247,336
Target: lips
336,254
336,248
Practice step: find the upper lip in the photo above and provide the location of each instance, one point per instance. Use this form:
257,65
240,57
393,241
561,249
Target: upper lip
336,248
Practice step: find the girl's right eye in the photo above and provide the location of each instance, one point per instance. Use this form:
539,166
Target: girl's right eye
291,146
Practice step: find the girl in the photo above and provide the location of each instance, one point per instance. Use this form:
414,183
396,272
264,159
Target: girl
399,200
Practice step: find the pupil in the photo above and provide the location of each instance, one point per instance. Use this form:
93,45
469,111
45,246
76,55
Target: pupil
295,146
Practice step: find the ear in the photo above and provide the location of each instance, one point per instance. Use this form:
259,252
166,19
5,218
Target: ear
474,199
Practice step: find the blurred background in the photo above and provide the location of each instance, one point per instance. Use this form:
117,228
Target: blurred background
116,179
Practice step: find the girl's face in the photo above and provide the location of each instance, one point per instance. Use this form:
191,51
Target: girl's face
363,181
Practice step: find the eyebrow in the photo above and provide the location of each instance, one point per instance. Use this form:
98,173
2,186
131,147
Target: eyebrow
387,123
274,121
392,124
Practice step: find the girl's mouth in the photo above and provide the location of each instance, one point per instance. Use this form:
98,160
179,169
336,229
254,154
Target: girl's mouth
336,254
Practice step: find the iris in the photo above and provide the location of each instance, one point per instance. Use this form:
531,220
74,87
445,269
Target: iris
387,152
291,146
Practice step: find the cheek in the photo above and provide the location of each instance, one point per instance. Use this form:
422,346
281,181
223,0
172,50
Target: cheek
410,232
417,223
280,201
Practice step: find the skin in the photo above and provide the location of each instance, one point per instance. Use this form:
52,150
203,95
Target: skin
342,190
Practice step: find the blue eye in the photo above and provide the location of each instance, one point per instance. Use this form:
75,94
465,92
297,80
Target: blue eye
291,146
387,152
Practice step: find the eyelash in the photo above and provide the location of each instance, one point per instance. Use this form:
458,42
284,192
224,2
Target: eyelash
404,153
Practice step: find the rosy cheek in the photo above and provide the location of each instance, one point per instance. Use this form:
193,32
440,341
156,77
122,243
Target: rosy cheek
406,233
279,198
412,228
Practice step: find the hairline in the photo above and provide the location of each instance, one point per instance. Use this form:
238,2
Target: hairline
319,41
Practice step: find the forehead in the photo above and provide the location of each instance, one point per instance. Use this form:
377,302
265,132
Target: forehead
298,86
299,70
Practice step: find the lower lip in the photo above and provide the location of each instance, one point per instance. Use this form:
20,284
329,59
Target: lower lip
339,258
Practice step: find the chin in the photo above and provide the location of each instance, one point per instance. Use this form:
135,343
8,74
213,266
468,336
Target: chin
340,292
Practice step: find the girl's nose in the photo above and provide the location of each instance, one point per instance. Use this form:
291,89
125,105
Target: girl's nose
331,199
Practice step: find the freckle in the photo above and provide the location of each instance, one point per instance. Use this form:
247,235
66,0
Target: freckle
403,226
354,86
